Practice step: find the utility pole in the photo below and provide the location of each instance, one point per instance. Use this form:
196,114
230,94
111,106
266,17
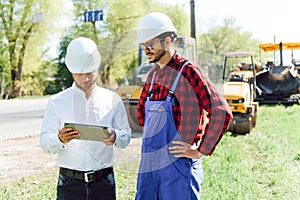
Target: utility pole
193,26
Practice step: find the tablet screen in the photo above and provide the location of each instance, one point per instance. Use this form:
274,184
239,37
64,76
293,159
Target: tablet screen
89,132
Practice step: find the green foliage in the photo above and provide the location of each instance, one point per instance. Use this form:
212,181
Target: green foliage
23,39
62,77
220,39
126,73
115,35
4,75
118,47
32,86
261,165
123,47
23,44
39,82
179,18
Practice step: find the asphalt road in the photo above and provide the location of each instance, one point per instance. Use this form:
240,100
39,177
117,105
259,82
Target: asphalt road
21,118
20,152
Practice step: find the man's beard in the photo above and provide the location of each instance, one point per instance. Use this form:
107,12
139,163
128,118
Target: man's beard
157,58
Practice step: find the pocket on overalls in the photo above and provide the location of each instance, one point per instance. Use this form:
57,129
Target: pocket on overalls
183,166
155,120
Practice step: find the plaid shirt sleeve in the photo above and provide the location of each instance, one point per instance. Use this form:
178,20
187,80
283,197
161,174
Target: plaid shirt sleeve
214,104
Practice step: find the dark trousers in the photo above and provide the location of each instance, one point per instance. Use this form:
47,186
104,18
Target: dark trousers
69,188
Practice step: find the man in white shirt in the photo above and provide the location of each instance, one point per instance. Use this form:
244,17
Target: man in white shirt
86,170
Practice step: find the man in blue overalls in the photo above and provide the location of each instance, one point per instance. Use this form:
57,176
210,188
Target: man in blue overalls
174,102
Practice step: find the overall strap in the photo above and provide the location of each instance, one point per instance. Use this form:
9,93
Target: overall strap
149,93
173,88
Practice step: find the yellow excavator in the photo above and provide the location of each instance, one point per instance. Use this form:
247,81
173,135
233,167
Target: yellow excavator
239,85
130,94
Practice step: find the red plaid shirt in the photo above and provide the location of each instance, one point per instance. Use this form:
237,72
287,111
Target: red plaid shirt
195,98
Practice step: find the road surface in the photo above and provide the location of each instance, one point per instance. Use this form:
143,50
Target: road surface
21,118
20,153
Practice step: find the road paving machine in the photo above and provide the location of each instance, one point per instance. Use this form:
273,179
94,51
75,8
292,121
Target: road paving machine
278,84
239,91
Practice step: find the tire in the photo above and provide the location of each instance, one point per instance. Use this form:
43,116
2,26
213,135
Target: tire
244,127
241,126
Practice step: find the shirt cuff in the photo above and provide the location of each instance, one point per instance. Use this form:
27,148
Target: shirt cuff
60,144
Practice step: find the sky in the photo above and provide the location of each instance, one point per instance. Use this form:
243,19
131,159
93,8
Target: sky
263,18
268,20
271,21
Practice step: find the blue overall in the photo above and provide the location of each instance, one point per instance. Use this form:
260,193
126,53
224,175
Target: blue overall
161,175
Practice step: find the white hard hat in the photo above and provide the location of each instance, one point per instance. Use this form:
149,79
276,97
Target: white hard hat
152,25
82,56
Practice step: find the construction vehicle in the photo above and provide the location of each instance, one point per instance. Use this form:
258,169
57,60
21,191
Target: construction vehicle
239,91
130,94
279,83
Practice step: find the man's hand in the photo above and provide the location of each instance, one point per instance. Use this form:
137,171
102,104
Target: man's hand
182,149
65,135
111,139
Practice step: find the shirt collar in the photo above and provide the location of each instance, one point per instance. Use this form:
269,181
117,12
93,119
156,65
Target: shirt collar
80,91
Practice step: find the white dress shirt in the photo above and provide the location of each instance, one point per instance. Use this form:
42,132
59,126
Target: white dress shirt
103,107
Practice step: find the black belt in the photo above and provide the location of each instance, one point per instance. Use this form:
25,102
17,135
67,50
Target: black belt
86,176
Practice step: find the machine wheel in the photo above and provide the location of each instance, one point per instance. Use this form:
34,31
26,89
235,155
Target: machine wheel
241,126
244,127
231,127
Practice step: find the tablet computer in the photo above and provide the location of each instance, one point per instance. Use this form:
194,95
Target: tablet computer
89,132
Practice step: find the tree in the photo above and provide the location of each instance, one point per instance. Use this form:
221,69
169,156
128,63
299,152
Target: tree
63,77
4,74
116,34
120,45
113,35
21,20
221,39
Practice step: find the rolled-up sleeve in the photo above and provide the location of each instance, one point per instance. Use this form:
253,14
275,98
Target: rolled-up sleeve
121,125
49,140
219,115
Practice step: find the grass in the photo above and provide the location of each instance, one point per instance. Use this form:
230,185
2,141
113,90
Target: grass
263,165
33,188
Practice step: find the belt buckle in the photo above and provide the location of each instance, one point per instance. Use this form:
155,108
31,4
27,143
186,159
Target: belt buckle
86,176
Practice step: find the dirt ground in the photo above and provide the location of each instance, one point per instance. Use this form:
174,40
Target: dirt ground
24,157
